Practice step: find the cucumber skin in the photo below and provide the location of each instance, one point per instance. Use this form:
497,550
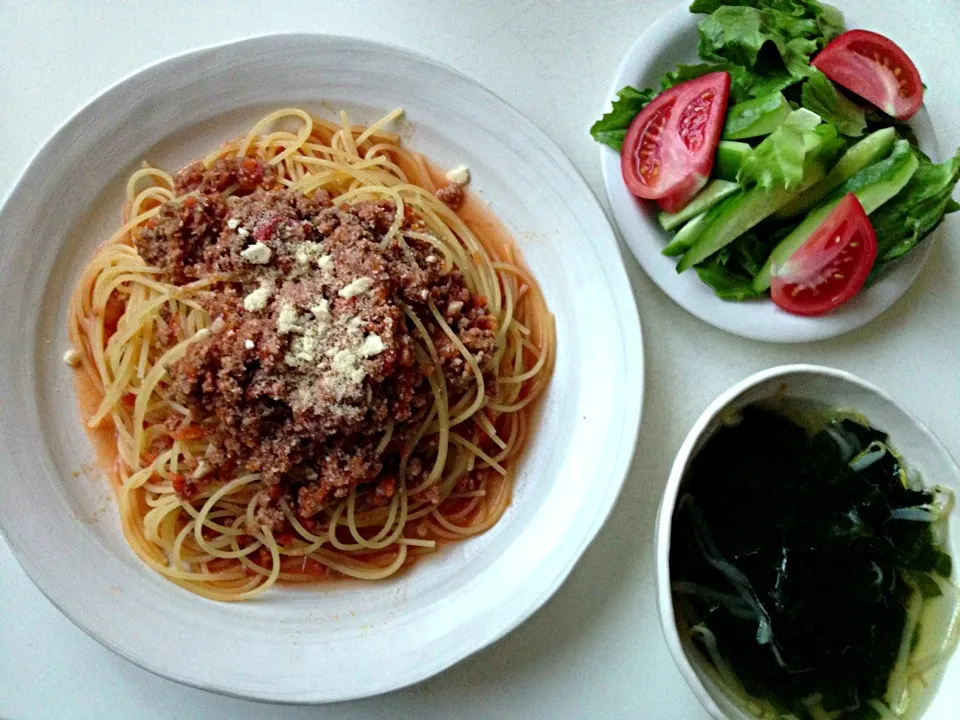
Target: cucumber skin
686,237
763,125
742,211
730,156
871,149
871,197
714,192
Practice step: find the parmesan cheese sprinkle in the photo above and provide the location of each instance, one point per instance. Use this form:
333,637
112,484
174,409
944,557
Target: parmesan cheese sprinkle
288,320
257,300
372,345
357,287
307,251
460,175
258,254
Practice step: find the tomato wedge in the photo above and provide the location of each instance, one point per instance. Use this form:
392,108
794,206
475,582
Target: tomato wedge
875,68
668,151
831,266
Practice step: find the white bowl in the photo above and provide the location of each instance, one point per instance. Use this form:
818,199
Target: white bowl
671,40
919,446
334,641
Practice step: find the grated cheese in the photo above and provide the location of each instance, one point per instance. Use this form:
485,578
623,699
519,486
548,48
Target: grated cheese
345,364
288,320
321,311
257,300
357,287
460,175
372,345
258,254
307,251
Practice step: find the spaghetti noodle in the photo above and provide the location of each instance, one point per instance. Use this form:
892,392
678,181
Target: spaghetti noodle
314,367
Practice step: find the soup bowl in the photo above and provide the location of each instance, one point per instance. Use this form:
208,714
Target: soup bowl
921,451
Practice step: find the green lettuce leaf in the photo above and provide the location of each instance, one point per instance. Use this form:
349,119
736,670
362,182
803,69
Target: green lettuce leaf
770,40
765,45
727,284
687,72
821,96
829,20
743,83
913,213
612,127
730,272
778,161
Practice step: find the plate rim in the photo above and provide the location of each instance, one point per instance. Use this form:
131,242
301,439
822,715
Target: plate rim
623,299
667,25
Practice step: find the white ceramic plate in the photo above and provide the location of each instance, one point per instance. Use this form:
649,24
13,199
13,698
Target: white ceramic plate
344,640
671,40
921,449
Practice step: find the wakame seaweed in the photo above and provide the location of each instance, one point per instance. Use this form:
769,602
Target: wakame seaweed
786,548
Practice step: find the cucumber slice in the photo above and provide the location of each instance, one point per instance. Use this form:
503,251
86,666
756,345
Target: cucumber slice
739,212
712,193
872,148
686,237
902,164
730,156
756,117
733,217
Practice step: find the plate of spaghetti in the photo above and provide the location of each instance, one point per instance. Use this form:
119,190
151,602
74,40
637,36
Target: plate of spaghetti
313,361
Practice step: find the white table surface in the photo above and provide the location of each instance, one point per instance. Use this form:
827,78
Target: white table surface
596,649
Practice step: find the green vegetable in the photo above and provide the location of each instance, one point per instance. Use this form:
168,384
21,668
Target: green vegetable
913,214
756,117
712,193
779,159
686,237
877,120
793,564
821,96
873,186
793,29
730,272
612,127
726,284
872,148
880,181
766,46
772,40
829,19
730,158
928,587
738,213
944,565
744,84
686,72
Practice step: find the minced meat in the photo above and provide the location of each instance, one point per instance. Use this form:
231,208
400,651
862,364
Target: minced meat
313,356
